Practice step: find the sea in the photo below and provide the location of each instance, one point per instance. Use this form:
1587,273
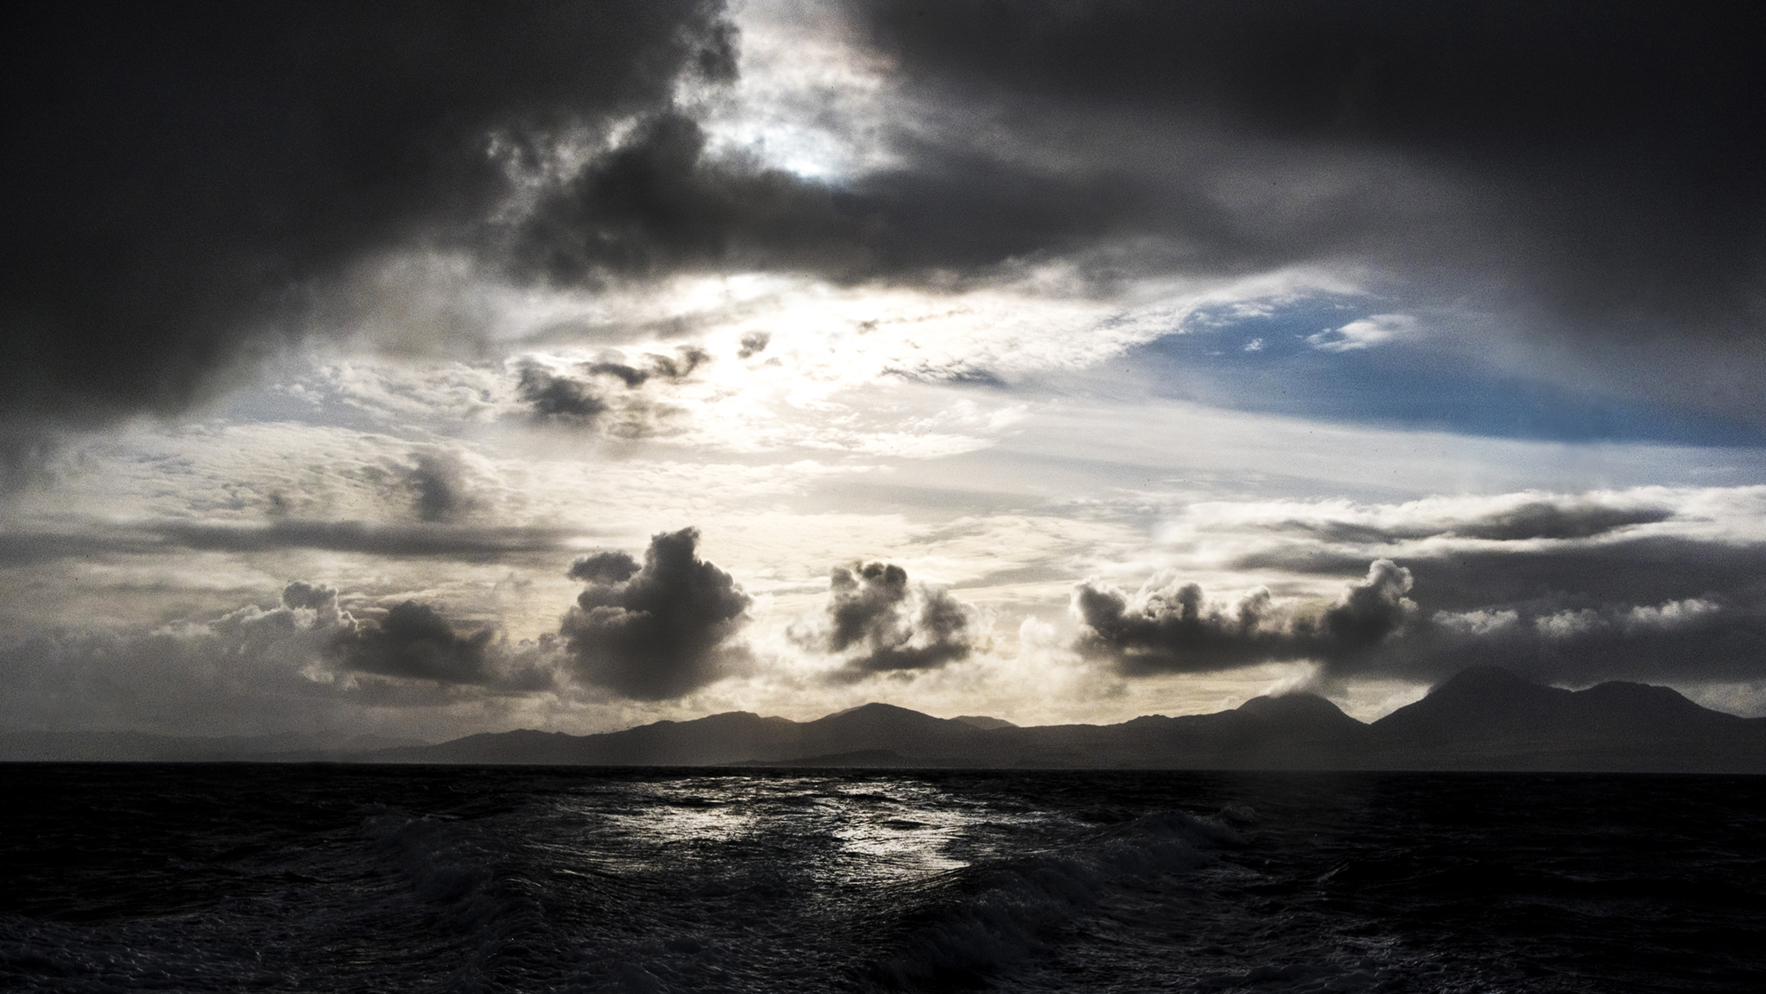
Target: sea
265,877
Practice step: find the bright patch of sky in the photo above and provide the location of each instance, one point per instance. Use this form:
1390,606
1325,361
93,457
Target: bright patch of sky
1330,358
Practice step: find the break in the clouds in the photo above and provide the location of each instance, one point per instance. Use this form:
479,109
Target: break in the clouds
879,621
658,630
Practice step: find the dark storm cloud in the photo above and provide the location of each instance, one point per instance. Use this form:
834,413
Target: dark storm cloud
1168,627
180,181
660,203
656,631
1573,174
881,621
1637,126
1600,174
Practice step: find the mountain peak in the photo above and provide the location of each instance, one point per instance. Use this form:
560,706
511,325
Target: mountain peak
873,708
1291,706
1482,680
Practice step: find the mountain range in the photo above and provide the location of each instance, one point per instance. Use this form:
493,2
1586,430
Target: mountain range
1484,718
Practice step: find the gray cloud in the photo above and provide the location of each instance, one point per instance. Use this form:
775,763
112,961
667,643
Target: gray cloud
1168,627
1638,130
408,540
363,537
1567,518
659,204
603,568
1577,641
672,368
680,365
631,376
1654,609
301,594
181,183
753,343
881,622
656,631
1546,519
438,483
556,398
413,641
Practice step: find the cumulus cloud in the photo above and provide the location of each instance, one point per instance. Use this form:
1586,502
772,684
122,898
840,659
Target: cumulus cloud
1169,627
658,630
880,621
1364,333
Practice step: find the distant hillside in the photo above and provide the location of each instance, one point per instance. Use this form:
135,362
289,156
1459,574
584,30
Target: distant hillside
1487,718
1482,719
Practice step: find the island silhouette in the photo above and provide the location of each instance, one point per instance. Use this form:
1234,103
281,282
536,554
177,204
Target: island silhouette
1484,718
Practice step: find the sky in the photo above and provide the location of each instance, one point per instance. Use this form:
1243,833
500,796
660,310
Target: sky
422,369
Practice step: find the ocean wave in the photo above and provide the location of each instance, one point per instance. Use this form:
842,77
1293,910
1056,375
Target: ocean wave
1016,911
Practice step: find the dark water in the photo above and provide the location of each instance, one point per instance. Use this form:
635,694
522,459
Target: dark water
240,878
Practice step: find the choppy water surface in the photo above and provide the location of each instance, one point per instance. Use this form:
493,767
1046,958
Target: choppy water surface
237,878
